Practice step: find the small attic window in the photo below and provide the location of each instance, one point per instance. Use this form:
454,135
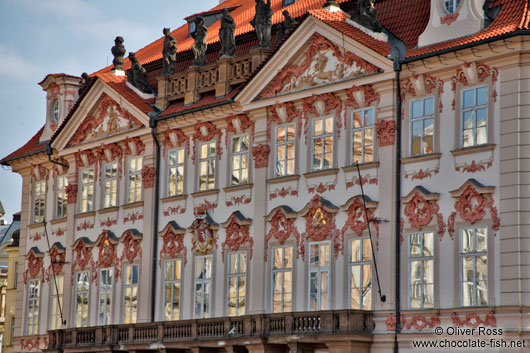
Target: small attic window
56,110
450,6
287,2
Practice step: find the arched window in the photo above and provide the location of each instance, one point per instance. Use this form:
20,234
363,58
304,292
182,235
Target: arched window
450,6
55,113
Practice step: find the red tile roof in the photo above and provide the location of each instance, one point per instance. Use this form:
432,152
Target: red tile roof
31,147
119,83
57,75
209,99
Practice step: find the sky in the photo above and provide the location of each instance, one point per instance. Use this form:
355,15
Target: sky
40,37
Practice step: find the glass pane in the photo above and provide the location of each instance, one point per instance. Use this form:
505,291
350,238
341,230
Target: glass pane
355,250
482,293
324,254
288,257
368,145
367,250
482,268
367,298
467,269
467,240
428,271
369,117
467,293
482,136
468,98
355,276
429,106
280,134
290,133
415,245
236,144
318,128
482,95
314,255
416,109
428,296
481,235
357,121
428,244
328,125
277,261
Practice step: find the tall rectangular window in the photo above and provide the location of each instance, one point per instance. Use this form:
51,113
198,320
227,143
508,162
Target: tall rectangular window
39,201
130,294
422,126
474,266
61,202
285,150
421,271
56,304
322,139
237,280
87,190
175,172
474,116
363,136
282,279
135,179
105,296
203,286
82,286
239,161
319,272
32,317
361,274
110,185
207,166
172,290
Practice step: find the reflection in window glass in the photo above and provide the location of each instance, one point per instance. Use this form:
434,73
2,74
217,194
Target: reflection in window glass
422,126
450,6
130,294
56,296
110,185
361,274
237,276
176,172
282,279
106,279
39,204
421,272
32,318
135,179
285,150
203,286
87,190
363,136
240,158
322,153
172,290
81,293
319,272
61,202
474,266
475,116
207,166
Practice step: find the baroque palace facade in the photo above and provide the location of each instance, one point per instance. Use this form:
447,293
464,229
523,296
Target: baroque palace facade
222,211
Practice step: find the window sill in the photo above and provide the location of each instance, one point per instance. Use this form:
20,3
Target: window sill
85,214
108,210
321,173
205,193
474,149
283,179
421,158
58,220
35,225
174,198
362,166
133,205
238,187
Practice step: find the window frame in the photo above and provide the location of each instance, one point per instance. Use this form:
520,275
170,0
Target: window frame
231,161
116,179
360,264
172,281
203,282
363,128
56,111
126,285
237,276
294,142
323,136
178,165
108,307
39,216
474,254
455,6
138,182
319,270
87,185
77,304
282,270
61,192
422,118
55,318
421,259
215,166
462,110
35,310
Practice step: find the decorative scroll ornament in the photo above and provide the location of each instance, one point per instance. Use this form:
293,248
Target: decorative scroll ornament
71,193
323,62
53,91
281,221
237,124
148,176
176,138
261,155
474,73
282,113
59,169
386,132
421,85
131,246
473,320
357,221
204,238
237,234
34,264
472,201
320,105
109,152
421,207
57,258
359,97
205,131
107,253
38,172
173,242
133,146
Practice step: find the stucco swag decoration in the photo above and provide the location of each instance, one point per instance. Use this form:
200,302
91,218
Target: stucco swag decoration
261,155
359,97
107,245
385,130
82,255
282,113
176,138
421,207
237,234
419,322
320,105
148,176
282,226
132,240
206,131
173,243
421,85
357,221
237,124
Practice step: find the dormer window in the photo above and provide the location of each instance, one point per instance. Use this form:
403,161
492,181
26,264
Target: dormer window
450,6
55,113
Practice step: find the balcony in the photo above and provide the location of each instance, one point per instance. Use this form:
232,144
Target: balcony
275,330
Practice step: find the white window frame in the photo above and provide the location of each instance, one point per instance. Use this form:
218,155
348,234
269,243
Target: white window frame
79,314
110,185
282,270
241,155
56,109
208,159
33,307
128,287
285,158
421,258
175,263
61,204
87,190
453,6
422,118
236,275
39,198
361,265
474,109
474,254
108,292
322,137
56,305
203,282
134,179
363,130
319,270
179,168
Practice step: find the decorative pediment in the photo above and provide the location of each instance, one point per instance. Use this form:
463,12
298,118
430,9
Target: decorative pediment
358,216
34,264
173,242
107,245
108,118
281,221
82,255
132,249
57,260
421,207
322,62
237,233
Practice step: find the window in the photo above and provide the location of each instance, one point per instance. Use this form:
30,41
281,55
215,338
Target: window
474,265
237,276
56,302
282,279
176,172
39,194
207,166
135,179
319,275
239,160
421,271
172,290
322,143
87,190
16,276
82,283
203,286
105,296
130,294
61,204
450,6
361,274
32,322
474,116
56,110
363,136
3,293
285,150
110,185
422,126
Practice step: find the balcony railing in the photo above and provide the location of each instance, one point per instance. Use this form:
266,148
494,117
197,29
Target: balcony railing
191,331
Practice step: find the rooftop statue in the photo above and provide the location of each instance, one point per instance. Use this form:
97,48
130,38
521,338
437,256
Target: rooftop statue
262,23
137,76
84,81
199,46
286,26
226,35
366,15
169,53
118,51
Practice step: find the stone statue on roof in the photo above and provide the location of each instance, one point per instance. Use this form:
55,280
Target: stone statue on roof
366,15
199,46
118,51
169,53
84,82
286,26
262,23
137,75
227,36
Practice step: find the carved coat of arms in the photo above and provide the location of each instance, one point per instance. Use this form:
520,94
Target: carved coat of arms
203,235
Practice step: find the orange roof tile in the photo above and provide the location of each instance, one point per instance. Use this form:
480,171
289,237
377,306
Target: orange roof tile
209,99
118,83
